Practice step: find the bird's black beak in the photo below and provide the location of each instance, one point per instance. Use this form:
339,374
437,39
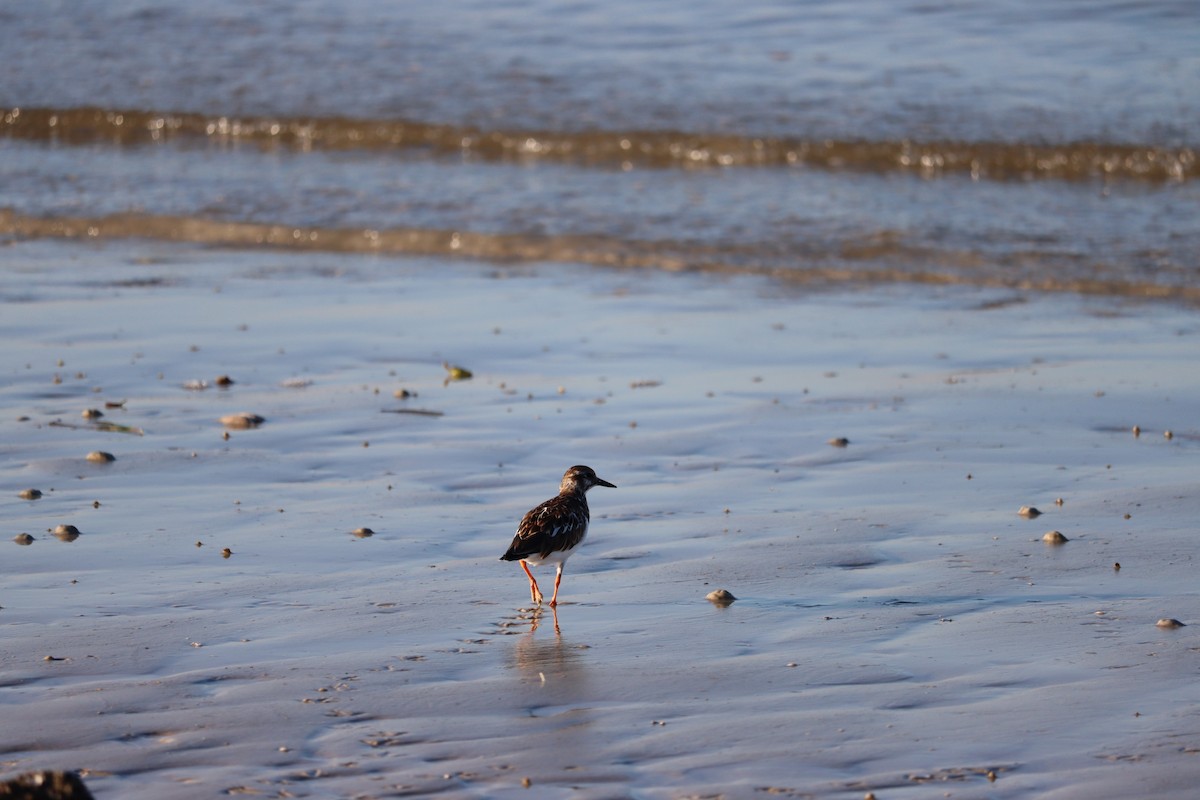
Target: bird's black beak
602,482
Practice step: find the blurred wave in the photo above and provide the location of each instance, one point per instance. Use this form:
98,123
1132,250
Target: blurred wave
1077,161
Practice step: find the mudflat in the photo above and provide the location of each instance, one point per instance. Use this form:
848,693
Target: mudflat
307,601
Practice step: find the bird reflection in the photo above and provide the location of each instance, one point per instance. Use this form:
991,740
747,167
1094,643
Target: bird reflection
535,619
550,659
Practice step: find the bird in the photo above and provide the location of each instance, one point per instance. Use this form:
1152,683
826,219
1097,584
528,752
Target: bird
549,533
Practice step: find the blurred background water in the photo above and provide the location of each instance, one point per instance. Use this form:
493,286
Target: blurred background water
1046,144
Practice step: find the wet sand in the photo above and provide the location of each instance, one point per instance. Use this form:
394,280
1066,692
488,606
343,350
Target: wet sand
899,629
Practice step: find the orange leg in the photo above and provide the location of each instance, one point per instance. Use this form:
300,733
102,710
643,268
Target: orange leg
557,581
535,593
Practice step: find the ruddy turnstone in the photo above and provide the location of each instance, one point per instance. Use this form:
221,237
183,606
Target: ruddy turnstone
551,532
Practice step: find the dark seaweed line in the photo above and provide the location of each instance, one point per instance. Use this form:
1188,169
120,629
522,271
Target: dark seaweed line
850,264
647,149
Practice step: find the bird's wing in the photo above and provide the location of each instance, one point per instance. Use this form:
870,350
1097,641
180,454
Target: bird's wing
554,525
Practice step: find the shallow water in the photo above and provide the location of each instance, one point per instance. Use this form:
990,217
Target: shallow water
899,628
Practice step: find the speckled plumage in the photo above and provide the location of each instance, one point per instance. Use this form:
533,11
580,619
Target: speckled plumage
552,531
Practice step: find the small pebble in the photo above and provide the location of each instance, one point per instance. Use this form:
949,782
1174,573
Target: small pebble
67,533
1170,623
1117,566
92,413
839,441
29,494
23,539
456,373
1054,537
1168,434
403,394
721,597
1137,430
1029,511
223,380
242,420
362,533
100,457
1058,501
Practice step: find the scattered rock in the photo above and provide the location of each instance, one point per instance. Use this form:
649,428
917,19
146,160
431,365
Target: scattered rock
403,394
242,420
1029,512
100,457
362,533
1055,537
45,786
720,597
1170,623
66,533
456,373
29,494
23,539
92,413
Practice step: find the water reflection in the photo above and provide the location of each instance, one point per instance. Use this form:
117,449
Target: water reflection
549,662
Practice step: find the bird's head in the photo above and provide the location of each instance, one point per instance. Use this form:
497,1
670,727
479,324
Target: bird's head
580,478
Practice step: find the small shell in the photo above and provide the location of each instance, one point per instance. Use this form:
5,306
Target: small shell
100,457
1055,537
242,420
1029,512
29,494
720,597
456,373
1170,623
66,533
